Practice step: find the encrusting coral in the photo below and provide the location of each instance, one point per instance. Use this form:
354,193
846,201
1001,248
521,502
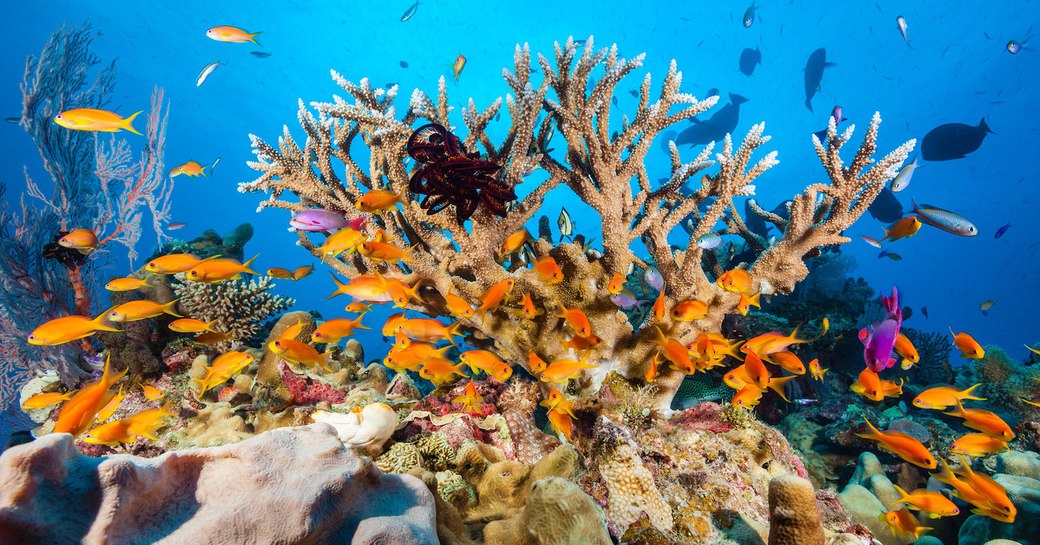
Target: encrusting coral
605,170
556,512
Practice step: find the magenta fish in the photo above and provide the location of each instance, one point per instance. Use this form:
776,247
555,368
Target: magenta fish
880,339
319,219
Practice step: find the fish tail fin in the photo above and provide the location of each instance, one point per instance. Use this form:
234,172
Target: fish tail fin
808,104
959,413
340,287
323,361
902,494
245,266
210,324
984,126
407,255
945,473
358,324
252,38
127,123
754,300
661,339
874,432
98,324
777,385
413,291
967,394
171,308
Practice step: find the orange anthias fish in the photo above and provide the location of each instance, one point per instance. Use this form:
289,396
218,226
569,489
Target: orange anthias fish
111,405
969,347
903,523
68,329
745,303
212,337
563,369
978,444
653,368
458,306
747,397
344,240
151,393
141,310
335,330
941,397
771,343
231,34
458,65
989,498
907,351
440,371
548,271
789,361
399,292
658,308
191,325
81,240
408,354
377,200
514,242
616,284
530,311
385,252
561,423
688,311
676,353
368,288
816,370
143,424
428,329
872,387
173,263
79,412
535,363
469,398
557,401
903,228
902,445
581,344
40,401
577,320
300,353
90,119
127,284
488,362
929,501
190,169
222,369
496,294
219,270
984,421
736,281
359,307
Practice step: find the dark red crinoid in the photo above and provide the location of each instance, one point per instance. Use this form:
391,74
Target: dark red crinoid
450,175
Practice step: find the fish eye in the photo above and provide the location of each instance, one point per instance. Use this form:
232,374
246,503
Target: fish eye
31,336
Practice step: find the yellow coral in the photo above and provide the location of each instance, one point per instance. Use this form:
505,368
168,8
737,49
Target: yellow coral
632,490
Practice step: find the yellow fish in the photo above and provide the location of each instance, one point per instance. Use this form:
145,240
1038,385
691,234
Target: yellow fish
561,423
907,351
984,421
191,325
359,307
577,320
903,228
736,281
688,311
969,347
90,119
557,401
495,295
335,330
377,200
40,401
79,412
81,240
151,393
173,263
469,398
385,252
745,303
218,270
222,369
440,371
458,65
141,310
580,344
126,430
978,444
68,329
366,287
817,370
514,242
488,362
616,284
563,369
941,397
903,523
344,240
294,351
231,34
111,406
191,169
127,284
548,271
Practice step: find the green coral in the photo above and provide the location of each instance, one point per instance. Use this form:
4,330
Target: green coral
738,417
400,458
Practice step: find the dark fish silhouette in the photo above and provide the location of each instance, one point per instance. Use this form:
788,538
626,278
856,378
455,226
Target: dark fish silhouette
1003,229
713,92
410,12
665,138
749,58
403,64
715,128
953,141
260,54
886,207
814,74
754,222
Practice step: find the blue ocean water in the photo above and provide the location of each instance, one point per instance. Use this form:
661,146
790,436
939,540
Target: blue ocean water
957,70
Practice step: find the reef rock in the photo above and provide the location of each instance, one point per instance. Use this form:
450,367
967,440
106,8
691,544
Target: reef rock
304,479
557,512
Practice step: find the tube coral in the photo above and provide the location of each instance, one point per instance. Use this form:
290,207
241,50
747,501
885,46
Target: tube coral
603,164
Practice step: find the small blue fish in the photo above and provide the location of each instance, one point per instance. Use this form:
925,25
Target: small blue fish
1003,229
891,255
653,277
749,16
410,12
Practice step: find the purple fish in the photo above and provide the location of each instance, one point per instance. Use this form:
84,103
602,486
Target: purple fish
880,339
653,277
1003,229
836,113
318,219
626,299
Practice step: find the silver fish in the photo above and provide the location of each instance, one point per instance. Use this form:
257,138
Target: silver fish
871,240
206,72
709,241
626,299
902,179
749,16
951,222
654,278
564,223
214,165
410,12
901,23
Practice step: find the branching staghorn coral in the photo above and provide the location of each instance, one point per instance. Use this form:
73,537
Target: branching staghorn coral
239,307
602,166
